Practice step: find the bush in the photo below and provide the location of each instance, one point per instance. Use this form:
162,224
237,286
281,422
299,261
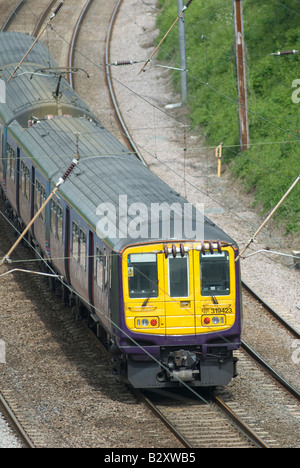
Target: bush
273,161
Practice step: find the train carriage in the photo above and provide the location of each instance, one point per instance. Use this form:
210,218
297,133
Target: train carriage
166,296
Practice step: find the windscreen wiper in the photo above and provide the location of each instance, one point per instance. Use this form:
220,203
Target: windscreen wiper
211,294
149,297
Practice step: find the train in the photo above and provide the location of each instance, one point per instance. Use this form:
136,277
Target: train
157,280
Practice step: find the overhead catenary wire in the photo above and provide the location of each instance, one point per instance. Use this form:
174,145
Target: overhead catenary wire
272,252
268,218
32,272
61,181
98,311
53,15
222,205
162,110
287,8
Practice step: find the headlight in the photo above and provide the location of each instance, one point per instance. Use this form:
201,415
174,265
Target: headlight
213,321
143,322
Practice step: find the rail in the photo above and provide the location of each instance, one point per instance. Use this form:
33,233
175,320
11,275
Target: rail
111,87
15,423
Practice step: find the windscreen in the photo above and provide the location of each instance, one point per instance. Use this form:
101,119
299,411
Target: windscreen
142,275
215,274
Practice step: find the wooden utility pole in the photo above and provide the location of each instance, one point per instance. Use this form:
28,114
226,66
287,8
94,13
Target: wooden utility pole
241,74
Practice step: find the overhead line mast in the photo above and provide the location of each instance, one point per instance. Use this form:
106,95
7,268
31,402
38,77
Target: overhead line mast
241,74
181,13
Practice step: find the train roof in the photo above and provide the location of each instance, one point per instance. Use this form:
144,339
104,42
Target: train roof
107,170
31,92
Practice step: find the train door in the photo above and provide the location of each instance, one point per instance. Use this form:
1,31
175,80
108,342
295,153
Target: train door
91,267
179,294
4,157
18,181
32,196
2,152
67,240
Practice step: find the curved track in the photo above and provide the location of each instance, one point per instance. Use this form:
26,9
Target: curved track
15,423
12,15
258,440
122,123
250,437
35,433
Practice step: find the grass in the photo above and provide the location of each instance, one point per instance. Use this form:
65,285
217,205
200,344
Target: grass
273,162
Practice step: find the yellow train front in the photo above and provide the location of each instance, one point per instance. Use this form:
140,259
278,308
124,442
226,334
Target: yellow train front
181,313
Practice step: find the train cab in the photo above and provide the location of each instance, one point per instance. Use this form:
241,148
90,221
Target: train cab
181,293
186,292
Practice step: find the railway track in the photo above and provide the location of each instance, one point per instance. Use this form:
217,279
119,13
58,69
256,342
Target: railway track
279,317
15,423
27,16
229,417
78,404
198,423
248,359
269,338
211,412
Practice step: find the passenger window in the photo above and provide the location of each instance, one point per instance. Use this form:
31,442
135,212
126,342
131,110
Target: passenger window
38,191
56,220
179,277
100,268
27,177
75,241
53,217
25,180
142,275
215,274
40,197
60,221
22,178
11,156
82,248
